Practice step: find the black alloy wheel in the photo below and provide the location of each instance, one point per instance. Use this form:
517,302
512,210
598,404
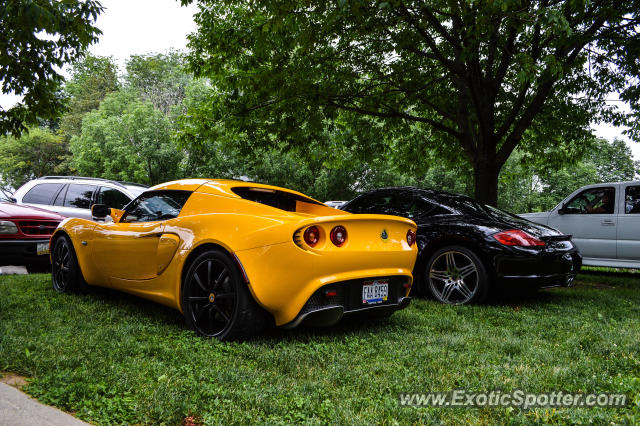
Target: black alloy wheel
216,301
66,276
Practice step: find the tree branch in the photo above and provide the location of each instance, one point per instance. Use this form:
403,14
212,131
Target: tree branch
396,114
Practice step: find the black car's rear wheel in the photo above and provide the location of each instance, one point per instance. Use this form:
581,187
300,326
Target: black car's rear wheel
216,301
66,276
456,275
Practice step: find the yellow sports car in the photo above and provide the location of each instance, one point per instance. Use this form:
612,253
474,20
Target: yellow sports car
233,256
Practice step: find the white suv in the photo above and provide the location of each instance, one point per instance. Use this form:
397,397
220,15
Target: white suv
73,196
604,220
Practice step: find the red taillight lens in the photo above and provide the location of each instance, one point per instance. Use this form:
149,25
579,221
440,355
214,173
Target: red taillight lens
515,237
312,236
411,237
338,235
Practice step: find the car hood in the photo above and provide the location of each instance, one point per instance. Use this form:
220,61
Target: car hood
16,211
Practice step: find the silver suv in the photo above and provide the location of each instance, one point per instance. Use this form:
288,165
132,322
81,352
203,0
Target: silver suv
73,196
604,220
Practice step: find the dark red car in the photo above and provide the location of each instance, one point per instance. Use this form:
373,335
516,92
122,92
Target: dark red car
24,235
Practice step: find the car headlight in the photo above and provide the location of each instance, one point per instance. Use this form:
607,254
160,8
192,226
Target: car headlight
7,227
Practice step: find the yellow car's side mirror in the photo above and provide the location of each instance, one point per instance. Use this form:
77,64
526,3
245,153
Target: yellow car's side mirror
116,214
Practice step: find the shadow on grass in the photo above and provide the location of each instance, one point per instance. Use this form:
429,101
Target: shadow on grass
350,325
135,305
172,317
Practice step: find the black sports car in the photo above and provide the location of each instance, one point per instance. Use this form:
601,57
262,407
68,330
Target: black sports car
465,247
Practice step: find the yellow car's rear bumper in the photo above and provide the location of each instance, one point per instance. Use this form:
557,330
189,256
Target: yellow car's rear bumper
283,277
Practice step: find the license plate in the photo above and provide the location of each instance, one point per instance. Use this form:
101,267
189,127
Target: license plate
42,248
376,291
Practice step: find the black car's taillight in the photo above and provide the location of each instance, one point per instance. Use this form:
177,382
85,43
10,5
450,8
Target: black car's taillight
516,237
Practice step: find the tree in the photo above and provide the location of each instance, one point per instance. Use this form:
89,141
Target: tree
160,78
92,78
126,139
330,166
38,37
479,77
539,186
37,153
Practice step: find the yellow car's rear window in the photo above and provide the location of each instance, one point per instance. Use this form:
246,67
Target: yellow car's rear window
279,199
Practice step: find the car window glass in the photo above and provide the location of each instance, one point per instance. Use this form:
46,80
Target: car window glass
4,196
398,204
156,205
42,193
112,198
404,205
79,196
358,204
59,201
425,208
632,200
592,201
279,199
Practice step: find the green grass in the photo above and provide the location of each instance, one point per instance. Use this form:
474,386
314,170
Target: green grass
111,358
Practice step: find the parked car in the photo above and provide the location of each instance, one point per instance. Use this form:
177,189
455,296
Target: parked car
24,235
5,196
604,220
335,204
465,247
73,196
230,255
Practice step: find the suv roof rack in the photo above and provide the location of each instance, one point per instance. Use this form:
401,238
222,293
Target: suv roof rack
124,182
115,182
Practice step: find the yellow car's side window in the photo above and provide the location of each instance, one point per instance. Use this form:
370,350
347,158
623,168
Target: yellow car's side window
156,205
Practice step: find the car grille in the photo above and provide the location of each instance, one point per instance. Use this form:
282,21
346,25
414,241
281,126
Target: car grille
37,227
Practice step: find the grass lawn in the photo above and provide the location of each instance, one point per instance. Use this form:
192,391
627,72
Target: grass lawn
111,358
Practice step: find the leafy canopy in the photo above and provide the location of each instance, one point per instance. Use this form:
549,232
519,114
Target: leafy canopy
92,78
126,139
478,78
39,152
37,38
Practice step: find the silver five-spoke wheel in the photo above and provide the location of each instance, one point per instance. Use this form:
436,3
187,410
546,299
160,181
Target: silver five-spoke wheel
455,275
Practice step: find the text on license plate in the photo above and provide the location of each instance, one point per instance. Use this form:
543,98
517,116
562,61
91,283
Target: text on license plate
42,248
375,291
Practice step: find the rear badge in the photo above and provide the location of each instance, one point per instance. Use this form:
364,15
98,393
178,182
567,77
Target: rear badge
384,235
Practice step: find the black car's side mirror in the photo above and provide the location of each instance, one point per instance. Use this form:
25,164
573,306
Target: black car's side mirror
100,211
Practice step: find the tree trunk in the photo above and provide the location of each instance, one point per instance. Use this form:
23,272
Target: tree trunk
485,173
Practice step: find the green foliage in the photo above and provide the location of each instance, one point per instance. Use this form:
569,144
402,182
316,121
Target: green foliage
36,153
37,37
477,78
159,78
126,139
114,359
527,187
92,78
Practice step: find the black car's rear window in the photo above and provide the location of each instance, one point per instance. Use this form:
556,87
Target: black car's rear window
271,197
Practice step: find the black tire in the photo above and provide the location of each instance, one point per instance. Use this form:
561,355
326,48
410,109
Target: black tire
216,301
456,275
66,276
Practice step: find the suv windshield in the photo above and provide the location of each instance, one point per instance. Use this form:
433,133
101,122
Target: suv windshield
4,196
